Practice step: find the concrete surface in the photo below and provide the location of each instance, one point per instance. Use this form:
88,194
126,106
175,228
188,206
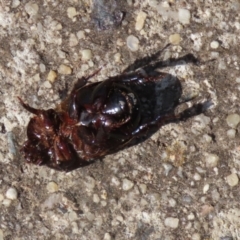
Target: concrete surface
182,183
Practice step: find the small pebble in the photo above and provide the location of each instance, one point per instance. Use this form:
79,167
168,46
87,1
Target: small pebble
104,194
64,69
107,236
90,216
73,41
42,67
1,235
175,39
184,16
132,43
72,215
6,202
127,184
143,188
96,198
1,197
120,42
75,229
90,183
71,12
31,8
233,120
52,75
171,222
115,181
232,179
47,84
214,44
172,202
196,236
141,17
207,138
205,188
211,160
191,217
81,34
117,57
11,193
15,4
86,54
197,177
231,133
52,187
186,199
238,79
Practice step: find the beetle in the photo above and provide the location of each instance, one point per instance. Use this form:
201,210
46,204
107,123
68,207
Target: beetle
101,118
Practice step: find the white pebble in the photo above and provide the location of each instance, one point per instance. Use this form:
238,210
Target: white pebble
233,120
42,67
81,34
231,133
206,188
15,3
71,12
31,8
184,16
52,187
172,202
90,183
175,39
143,188
207,138
196,236
96,198
214,44
90,216
132,43
73,41
117,57
64,69
120,42
6,202
107,236
211,160
47,84
11,193
115,181
127,184
1,235
72,216
197,177
141,17
232,179
86,54
191,217
171,222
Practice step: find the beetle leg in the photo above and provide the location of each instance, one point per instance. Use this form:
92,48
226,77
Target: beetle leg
83,81
66,157
169,118
29,108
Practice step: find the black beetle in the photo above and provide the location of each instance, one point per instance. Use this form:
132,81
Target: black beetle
100,118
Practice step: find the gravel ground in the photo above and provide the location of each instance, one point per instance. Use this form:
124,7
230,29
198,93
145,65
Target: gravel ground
182,182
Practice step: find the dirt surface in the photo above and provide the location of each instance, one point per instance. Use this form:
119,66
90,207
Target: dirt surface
182,182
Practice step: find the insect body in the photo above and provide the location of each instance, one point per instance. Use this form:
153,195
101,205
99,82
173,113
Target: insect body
101,118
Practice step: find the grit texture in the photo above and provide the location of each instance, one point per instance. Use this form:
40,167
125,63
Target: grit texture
181,183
